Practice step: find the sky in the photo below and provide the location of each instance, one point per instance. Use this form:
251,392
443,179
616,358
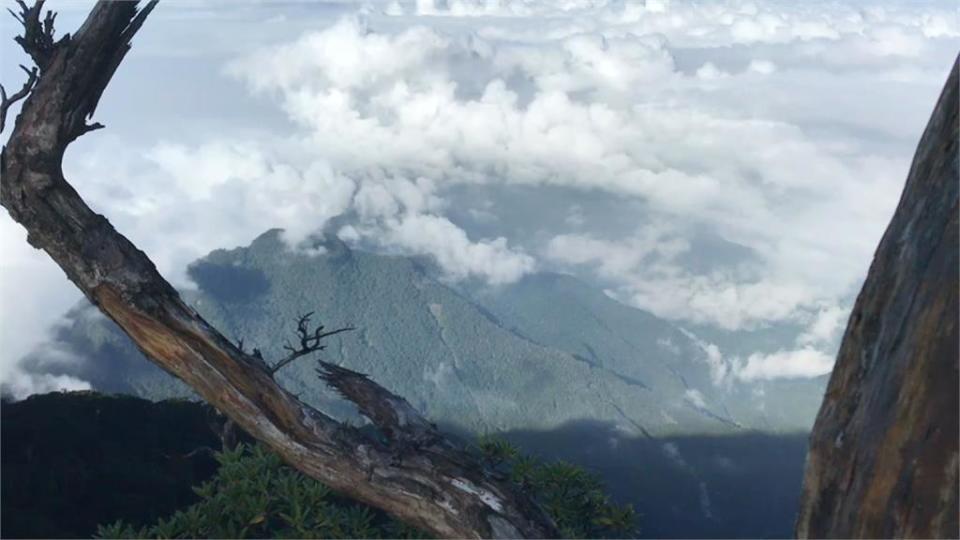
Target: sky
723,164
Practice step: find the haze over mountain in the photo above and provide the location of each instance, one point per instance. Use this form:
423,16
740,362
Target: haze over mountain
539,353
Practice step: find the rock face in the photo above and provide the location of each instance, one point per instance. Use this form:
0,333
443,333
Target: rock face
883,459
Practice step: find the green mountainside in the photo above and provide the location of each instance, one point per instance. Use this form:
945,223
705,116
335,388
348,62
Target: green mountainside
651,353
537,354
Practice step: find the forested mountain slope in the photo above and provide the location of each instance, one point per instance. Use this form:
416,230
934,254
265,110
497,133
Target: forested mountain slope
534,355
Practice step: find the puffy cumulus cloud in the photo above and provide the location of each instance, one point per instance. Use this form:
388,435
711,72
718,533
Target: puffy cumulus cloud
783,129
595,98
180,202
787,363
424,115
224,194
601,102
811,354
825,326
346,56
458,256
404,216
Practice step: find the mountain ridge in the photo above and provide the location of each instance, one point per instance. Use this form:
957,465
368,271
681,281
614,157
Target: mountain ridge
535,354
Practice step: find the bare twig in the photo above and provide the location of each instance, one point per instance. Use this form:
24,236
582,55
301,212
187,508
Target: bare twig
7,101
309,341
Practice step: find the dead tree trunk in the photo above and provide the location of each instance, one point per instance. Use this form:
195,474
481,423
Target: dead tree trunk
418,475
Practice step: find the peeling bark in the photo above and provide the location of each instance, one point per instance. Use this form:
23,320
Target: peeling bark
883,460
417,474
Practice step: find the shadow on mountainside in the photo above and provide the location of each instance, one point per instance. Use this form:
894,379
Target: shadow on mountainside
731,486
71,461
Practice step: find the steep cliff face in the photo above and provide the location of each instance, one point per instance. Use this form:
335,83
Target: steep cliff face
883,453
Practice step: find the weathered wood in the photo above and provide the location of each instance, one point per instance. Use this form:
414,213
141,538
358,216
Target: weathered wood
428,482
883,460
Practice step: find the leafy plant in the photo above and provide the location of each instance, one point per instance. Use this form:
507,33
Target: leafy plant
255,495
573,496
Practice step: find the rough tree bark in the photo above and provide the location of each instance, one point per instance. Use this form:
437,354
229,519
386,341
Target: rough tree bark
416,474
883,460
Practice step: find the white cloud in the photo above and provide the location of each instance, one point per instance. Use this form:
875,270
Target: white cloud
826,326
695,397
709,71
20,384
720,369
19,380
178,203
606,108
34,294
650,276
458,257
805,362
764,67
783,129
648,247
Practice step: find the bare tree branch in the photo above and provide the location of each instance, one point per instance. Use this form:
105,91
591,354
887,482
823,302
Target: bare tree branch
309,341
437,487
7,101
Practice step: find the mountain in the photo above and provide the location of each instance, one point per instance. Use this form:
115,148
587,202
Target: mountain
534,355
640,348
550,362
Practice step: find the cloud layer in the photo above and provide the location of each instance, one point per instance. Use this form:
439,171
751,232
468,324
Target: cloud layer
748,154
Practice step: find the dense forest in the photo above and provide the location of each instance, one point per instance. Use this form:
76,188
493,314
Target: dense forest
75,461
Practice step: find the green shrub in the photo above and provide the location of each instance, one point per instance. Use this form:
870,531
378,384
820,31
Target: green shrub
571,495
255,495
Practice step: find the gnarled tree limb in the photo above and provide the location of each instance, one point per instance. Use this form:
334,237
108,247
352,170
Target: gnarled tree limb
437,486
